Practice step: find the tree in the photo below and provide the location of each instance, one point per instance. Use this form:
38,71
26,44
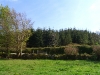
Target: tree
15,29
30,41
62,37
53,38
22,30
50,37
37,38
6,27
68,38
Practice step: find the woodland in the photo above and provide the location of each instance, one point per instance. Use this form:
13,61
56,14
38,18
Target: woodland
18,39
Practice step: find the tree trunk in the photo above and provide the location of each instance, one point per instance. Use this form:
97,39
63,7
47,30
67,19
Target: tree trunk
21,49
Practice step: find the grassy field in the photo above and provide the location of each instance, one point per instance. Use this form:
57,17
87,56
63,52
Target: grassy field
49,67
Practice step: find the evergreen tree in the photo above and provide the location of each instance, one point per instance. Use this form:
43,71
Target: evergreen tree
30,41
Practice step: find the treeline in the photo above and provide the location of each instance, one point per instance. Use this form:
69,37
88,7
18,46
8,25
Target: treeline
50,37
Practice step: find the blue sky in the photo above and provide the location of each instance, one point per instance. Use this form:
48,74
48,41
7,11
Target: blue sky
58,14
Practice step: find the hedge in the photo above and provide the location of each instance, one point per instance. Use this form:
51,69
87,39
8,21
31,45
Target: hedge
48,50
54,50
85,49
84,52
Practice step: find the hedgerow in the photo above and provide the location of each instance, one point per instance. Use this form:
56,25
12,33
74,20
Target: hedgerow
65,52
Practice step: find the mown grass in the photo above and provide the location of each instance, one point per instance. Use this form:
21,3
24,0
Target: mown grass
49,67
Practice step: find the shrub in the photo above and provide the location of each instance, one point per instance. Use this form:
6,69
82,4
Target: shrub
70,50
14,56
56,50
85,49
96,51
25,56
4,55
49,50
34,56
84,56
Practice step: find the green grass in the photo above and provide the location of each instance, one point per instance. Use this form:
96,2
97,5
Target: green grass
49,67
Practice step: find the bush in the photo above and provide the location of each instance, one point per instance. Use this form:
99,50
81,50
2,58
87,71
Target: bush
96,51
70,50
25,56
34,56
84,56
14,56
49,50
85,49
55,50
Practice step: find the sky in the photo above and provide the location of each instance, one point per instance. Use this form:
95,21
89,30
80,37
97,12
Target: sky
59,14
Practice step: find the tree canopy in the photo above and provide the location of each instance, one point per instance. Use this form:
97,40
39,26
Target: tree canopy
50,37
15,29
